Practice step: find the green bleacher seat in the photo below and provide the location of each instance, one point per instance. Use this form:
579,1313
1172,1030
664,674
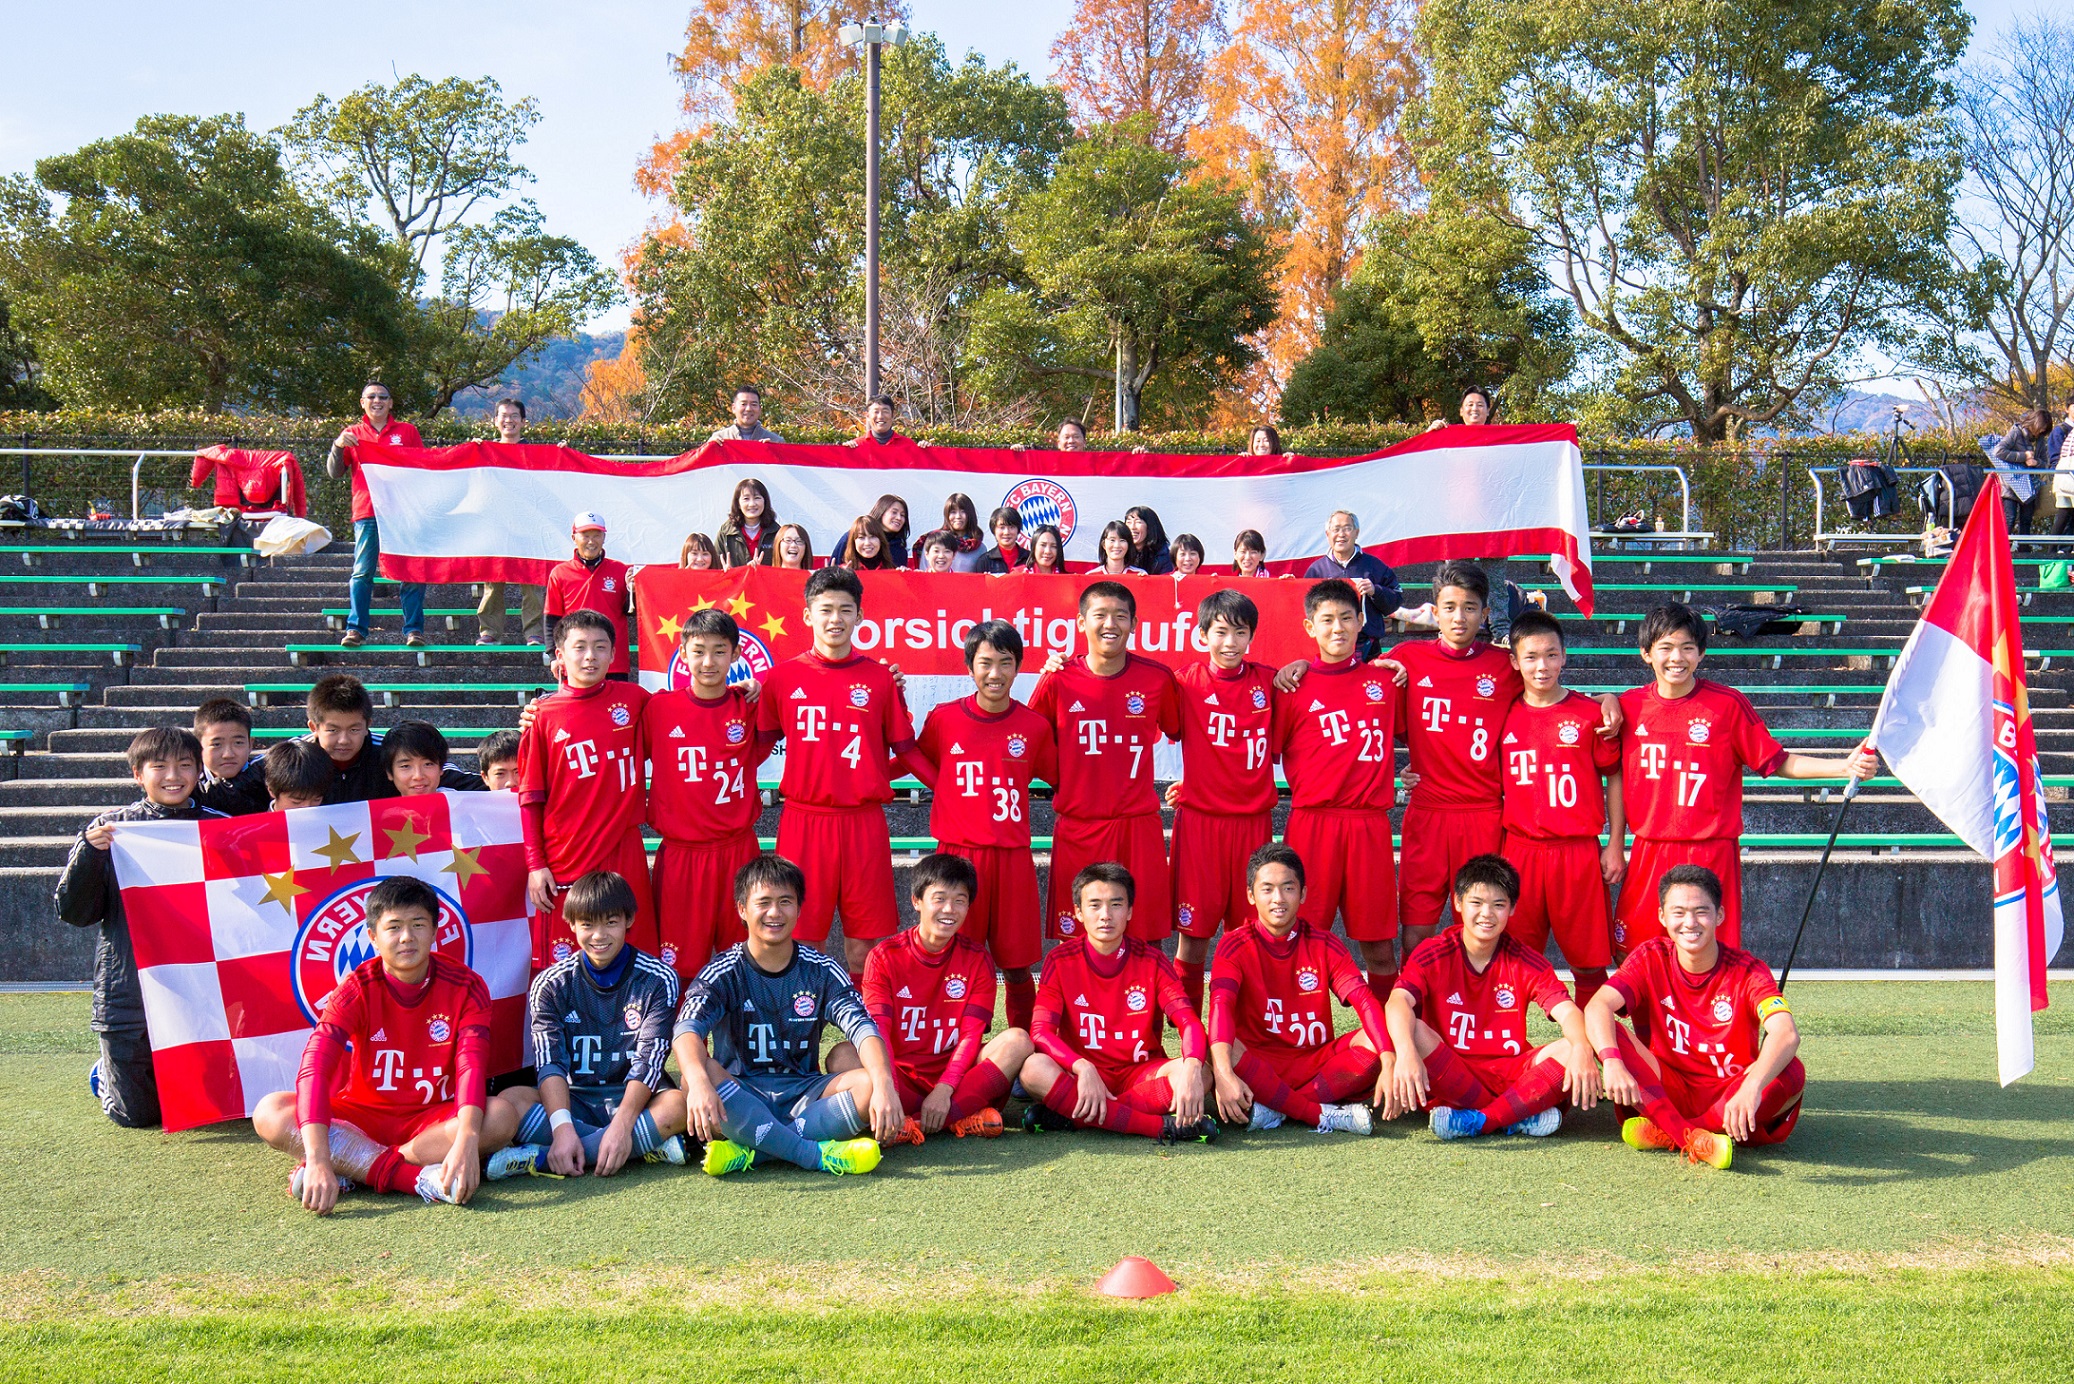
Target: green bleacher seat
1738,563
299,654
120,653
1822,693
17,741
210,585
1620,622
1784,590
139,556
450,732
335,616
47,617
1776,653
67,693
389,692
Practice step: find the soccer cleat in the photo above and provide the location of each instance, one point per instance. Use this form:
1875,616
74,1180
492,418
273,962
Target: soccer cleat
429,1188
517,1160
910,1132
1641,1132
345,1184
840,1156
353,640
1264,1118
1042,1119
1019,1091
1538,1126
1450,1123
725,1156
1705,1146
980,1124
1344,1119
1172,1131
93,1078
670,1151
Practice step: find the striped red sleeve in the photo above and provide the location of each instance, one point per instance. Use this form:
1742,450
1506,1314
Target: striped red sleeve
1224,998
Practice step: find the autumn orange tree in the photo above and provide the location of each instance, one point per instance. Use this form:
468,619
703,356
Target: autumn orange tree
1138,59
1302,111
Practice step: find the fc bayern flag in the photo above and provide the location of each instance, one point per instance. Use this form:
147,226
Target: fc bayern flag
1955,726
242,926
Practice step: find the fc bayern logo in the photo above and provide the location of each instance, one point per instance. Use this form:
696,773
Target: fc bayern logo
669,959
1260,699
611,584
1017,746
1044,502
1307,980
439,1029
1066,925
736,732
954,987
1186,914
1505,997
1486,685
1567,732
1723,1010
1374,691
803,1005
333,940
753,662
1699,731
860,697
631,1015
1135,704
1134,1000
621,716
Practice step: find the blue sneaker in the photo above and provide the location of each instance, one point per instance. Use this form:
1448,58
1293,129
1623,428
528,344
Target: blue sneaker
1538,1126
1450,1123
1264,1118
93,1078
515,1160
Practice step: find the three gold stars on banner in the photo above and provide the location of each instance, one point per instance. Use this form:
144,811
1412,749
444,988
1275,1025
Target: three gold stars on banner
671,626
338,850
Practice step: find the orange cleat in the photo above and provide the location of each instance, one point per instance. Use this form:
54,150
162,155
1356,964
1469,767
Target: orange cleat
980,1124
910,1132
1705,1146
1641,1132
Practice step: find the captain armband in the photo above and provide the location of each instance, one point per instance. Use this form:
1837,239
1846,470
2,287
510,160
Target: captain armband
1770,1005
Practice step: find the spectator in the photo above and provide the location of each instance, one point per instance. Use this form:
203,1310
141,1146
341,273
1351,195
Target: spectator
2054,575
938,551
791,550
1370,576
1188,554
961,527
1265,442
1115,547
377,424
1148,541
748,415
891,513
698,554
1475,409
2022,448
1072,437
1507,597
878,425
745,539
591,581
510,418
863,548
1047,553
1249,554
1008,553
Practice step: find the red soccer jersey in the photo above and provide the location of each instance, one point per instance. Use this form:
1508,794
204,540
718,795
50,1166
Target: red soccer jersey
1108,1009
1683,760
984,764
1554,761
702,765
1333,734
1704,1027
396,434
406,1048
839,721
1480,1014
1105,729
1225,719
1275,996
1453,712
583,757
931,1008
603,588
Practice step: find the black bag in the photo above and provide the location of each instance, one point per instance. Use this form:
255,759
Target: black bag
19,509
1960,481
1871,489
1743,621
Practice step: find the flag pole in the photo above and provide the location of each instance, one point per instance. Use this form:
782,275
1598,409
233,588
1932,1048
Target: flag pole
1809,907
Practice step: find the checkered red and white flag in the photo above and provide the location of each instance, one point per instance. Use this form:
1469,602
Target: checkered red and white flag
242,926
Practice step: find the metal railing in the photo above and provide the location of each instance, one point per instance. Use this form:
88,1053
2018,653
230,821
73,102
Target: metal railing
1825,539
137,460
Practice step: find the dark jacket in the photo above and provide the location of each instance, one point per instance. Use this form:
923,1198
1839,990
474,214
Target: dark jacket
358,782
1389,594
896,550
240,795
87,896
735,550
994,564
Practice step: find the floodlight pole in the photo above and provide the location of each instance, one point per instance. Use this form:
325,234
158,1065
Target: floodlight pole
870,36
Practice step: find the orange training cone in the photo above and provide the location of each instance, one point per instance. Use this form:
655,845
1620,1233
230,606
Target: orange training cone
1134,1277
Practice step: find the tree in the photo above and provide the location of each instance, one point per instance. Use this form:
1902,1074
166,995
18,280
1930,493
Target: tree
420,158
1738,200
1139,276
20,383
1304,109
2012,331
1125,59
185,270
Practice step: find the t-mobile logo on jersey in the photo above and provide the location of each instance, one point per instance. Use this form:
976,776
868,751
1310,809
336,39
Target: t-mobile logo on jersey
808,720
1654,753
1092,1029
691,762
588,1048
582,756
972,777
1091,735
1522,766
1679,1032
1333,726
1222,725
388,1067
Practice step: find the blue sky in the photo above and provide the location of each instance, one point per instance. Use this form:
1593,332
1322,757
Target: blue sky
597,67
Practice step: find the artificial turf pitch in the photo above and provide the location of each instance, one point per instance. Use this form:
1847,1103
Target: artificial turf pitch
1919,1225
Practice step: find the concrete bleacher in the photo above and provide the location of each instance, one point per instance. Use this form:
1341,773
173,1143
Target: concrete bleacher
95,649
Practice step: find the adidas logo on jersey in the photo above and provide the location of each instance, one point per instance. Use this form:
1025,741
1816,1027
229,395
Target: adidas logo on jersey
748,1007
1317,705
904,994
1076,707
572,1017
1425,682
799,694
378,1036
1210,700
1511,739
1455,998
1641,729
957,749
561,735
1080,1000
676,732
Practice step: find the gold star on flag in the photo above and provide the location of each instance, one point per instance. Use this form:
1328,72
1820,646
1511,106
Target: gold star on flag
339,849
701,604
774,627
282,889
739,607
464,866
670,627
407,840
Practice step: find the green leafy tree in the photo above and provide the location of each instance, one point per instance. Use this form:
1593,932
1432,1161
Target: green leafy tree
1138,277
20,387
186,270
418,159
1739,200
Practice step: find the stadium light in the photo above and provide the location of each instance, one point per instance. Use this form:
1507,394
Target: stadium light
871,36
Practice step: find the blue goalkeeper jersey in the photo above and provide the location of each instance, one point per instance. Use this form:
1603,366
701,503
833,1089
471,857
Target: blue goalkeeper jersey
759,1023
594,1037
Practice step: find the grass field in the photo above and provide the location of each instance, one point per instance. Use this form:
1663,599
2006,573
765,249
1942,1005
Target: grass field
1918,1226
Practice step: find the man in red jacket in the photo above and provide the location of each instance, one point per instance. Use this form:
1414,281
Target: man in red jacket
378,423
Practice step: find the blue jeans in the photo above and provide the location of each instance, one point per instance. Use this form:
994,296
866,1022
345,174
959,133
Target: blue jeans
367,553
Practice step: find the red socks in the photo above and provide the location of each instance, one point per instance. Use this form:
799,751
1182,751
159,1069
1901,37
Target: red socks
1349,1074
391,1174
1121,1119
1380,984
1655,1103
1778,1109
1020,999
1192,983
1588,979
1450,1082
983,1086
1271,1091
1537,1090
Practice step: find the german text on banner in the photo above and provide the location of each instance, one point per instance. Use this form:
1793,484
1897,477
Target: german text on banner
243,925
488,511
1955,726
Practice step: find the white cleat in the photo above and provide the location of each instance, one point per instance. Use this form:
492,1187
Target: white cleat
1344,1119
670,1150
430,1189
345,1184
1264,1118
1538,1126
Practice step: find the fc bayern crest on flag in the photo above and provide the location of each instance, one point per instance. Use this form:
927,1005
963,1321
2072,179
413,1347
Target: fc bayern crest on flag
333,940
1041,502
752,663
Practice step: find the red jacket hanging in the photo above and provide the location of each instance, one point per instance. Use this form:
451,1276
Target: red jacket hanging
252,481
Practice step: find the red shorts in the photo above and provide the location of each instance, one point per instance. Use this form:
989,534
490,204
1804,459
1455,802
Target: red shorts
1299,1067
1778,1109
695,899
1005,916
847,854
1562,888
1139,844
1438,842
1635,918
1347,870
393,1125
1210,855
1498,1071
1122,1079
914,1086
552,940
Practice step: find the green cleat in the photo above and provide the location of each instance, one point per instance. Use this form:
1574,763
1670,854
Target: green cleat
725,1156
841,1156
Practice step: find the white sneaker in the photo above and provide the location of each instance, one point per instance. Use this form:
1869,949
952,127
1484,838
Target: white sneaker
429,1188
1344,1119
670,1150
1264,1118
345,1184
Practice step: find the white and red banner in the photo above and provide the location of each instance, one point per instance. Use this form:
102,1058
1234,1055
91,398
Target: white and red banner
243,925
1955,726
488,511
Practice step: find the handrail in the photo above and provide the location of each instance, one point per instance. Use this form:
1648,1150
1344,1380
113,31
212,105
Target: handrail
1684,485
136,467
1823,540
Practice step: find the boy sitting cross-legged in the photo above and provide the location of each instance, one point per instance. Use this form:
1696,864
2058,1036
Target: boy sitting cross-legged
758,1091
413,1030
1272,1048
1458,1021
601,1033
930,990
1101,1061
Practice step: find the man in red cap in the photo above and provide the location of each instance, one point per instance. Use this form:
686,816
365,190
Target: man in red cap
592,581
